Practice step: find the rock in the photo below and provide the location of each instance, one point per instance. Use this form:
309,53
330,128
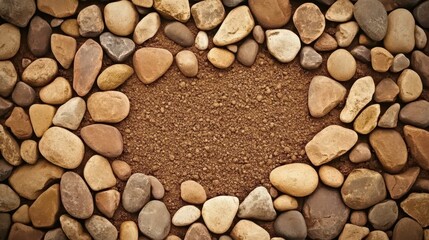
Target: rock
359,96
325,43
346,32
10,40
41,116
173,9
113,76
5,106
192,192
70,27
381,59
361,53
271,14
236,26
44,211
417,141
5,223
400,62
421,38
231,3
196,231
87,65
40,72
64,48
407,228
55,234
136,193
73,229
390,149
208,14
383,216
39,34
70,114
154,220
147,28
9,78
103,139
353,232
386,91
410,85
100,228
324,94
5,170
331,176
8,198
247,52
121,169
285,203
420,13
220,58
108,106
21,231
309,22
400,32
358,218
75,196
296,179
19,123
330,143
117,48
107,202
60,10
309,58
219,212
340,11
98,173
9,148
257,205
372,18
291,225
283,44
360,153
21,215
30,180
247,230
415,113
143,3
57,92
367,119
258,34
146,58
416,205
186,215
187,63
121,17
390,118
18,13
201,41
157,189
341,65
90,21
325,213
180,33
29,152
128,231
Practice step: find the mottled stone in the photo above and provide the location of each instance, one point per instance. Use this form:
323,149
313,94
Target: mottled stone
309,22
57,92
136,192
40,72
98,174
100,228
90,21
372,18
8,78
383,215
257,205
147,28
154,220
108,106
117,48
73,229
18,13
390,118
309,58
57,9
107,202
219,212
75,196
400,32
283,44
359,96
236,26
9,148
173,9
39,34
416,205
19,123
208,14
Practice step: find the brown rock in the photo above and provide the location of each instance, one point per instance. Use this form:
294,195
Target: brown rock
23,95
21,215
57,92
107,202
70,27
73,229
44,211
98,173
197,231
20,231
381,59
418,142
19,123
309,21
75,196
187,63
386,91
390,149
39,33
361,53
247,52
258,34
121,169
156,187
108,106
353,232
419,62
29,152
390,118
104,139
5,106
415,113
9,148
325,43
40,72
358,218
64,48
151,63
407,228
58,9
41,116
272,13
90,21
8,77
398,185
192,192
416,205
360,153
208,14
220,58
180,34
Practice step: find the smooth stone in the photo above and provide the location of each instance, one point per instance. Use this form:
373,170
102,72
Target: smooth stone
10,40
44,211
103,139
324,94
271,14
147,28
420,13
55,234
9,148
29,152
360,153
21,215
381,59
410,85
154,220
258,34
325,43
247,230
107,202
309,22
66,8
121,169
247,52
73,229
331,176
383,215
5,223
192,192
8,198
87,65
64,48
386,91
57,92
114,76
400,62
407,228
18,13
108,106
8,77
100,228
295,179
76,196
208,14
359,218
340,11
421,38
415,113
257,205
173,9
5,170
360,95
201,41
390,117
291,225
39,34
367,119
236,26
157,189
21,231
416,205
70,27
70,114
361,53
19,123
187,63
136,193
151,63
128,231
400,32
196,231
330,143
5,106
346,32
219,212
353,232
283,44
372,18
117,48
231,3
143,3
41,116
120,17
309,58
418,143
40,72
390,149
363,188
341,65
285,203
220,58
90,21
98,174
186,215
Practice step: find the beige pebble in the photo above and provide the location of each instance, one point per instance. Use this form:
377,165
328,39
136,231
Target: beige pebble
57,92
331,176
381,59
41,116
29,152
410,85
285,203
220,58
121,169
193,192
128,231
341,65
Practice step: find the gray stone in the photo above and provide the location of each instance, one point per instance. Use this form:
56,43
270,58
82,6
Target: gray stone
100,228
136,192
180,34
421,14
415,113
5,170
154,220
309,58
361,53
90,21
18,13
75,196
400,62
23,95
257,205
382,216
372,18
291,225
247,52
390,118
117,48
419,63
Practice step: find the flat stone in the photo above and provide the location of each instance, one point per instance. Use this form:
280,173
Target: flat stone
285,203
98,174
64,48
136,193
407,228
236,26
55,234
41,116
60,10
208,14
100,228
108,106
383,215
73,229
21,231
372,18
5,106
196,231
340,11
8,198
40,72
271,14
192,192
325,43
359,96
257,205
353,232
415,113
400,32
416,205
70,27
57,92
147,28
8,77
186,215
324,94
219,212
173,9
128,230
390,149
331,176
70,114
121,169
5,170
295,179
117,48
346,32
44,211
103,139
154,220
309,58
19,123
120,17
9,148
107,202
400,62
201,41
309,22
75,196
390,118
39,34
10,40
151,63
291,225
398,185
90,21
367,119
421,38
410,85
341,65
417,141
283,44
247,52
386,91
114,76
220,58
359,218
361,53
360,153
18,13
381,59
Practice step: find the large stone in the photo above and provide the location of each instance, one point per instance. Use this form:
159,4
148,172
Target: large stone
418,142
173,9
120,17
291,225
400,32
341,65
104,139
219,212
220,58
57,9
383,215
108,106
19,123
407,228
8,78
73,229
21,231
40,72
283,44
309,22
154,220
39,34
8,198
117,48
208,14
295,179
372,18
416,205
136,192
18,13
75,196
398,185
107,202
100,228
324,94
98,174
90,21
272,13
64,48
247,230
419,61
9,148
57,92
257,205
415,113
236,26
44,211
151,63
147,28
10,40
359,96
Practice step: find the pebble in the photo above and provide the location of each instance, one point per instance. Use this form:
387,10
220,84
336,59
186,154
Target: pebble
187,63
44,211
100,228
121,169
231,3
208,14
360,153
143,62
39,34
381,59
70,27
398,185
103,139
5,170
283,44
64,9
400,62
21,231
322,203
117,48
29,152
291,225
309,58
64,48
295,179
407,228
128,231
73,229
55,234
40,72
220,58
285,203
236,26
366,41
98,174
419,61
8,198
186,215
75,196
9,148
201,41
147,28
331,176
157,189
340,11
329,144
70,114
258,34
192,192
18,13
87,65
410,85
30,180
416,206
257,205
417,141
353,232
309,22
421,38
383,215
372,18
325,43
358,218
341,65
173,9
271,14
107,201
90,21
143,3
357,197
5,106
400,32
41,116
57,92
346,32
114,76
21,215
367,119
154,220
196,231
219,212
420,13
361,53
247,52
390,149
247,230
390,117
120,17
108,106
9,78
386,91
136,193
415,113
359,96
324,94
5,223
10,40
19,123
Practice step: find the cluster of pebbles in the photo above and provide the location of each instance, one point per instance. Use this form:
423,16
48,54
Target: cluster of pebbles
42,142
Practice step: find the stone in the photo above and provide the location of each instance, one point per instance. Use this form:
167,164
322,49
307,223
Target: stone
367,119
220,58
120,17
331,176
10,40
340,11
381,59
5,223
19,123
247,52
41,116
285,203
100,228
400,32
114,76
372,18
44,211
358,218
309,22
40,72
420,37
192,192
8,78
201,41
29,152
361,53
128,231
231,3
390,149
196,231
143,3
208,14
309,58
359,96
9,148
400,62
151,63
219,212
236,26
21,231
324,94
325,43
55,234
90,21
5,170
416,205
187,63
341,65
117,48
87,65
154,220
186,215
8,198
353,232
60,10
325,213
107,202
257,205
390,118
21,215
295,179
25,62
386,91
5,106
98,174
415,113
346,32
360,153
75,196
420,13
29,181
70,114
283,44
173,9
39,34
103,139
147,28
417,142
18,13
330,143
70,27
258,34
108,106
64,48
271,14
157,189
407,228
73,229
383,215
136,193
57,92
291,225
121,169
247,230
410,85
363,188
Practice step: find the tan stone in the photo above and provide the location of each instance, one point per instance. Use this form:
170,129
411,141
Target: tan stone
341,65
120,17
220,58
9,148
193,192
129,231
108,106
59,9
41,116
295,179
70,27
285,203
410,85
367,119
19,123
151,63
21,215
360,95
40,72
309,21
29,152
114,76
107,202
57,92
98,173
121,169
173,9
390,149
64,48
324,94
331,176
236,26
416,205
381,59
398,185
418,142
43,212
73,229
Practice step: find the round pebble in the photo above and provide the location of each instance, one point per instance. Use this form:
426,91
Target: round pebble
331,176
296,179
187,63
341,65
121,169
192,192
120,17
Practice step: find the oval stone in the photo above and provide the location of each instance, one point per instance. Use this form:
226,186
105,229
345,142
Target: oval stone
40,72
283,44
372,18
98,173
109,106
154,220
309,21
75,196
400,32
295,179
100,228
136,192
104,139
151,63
